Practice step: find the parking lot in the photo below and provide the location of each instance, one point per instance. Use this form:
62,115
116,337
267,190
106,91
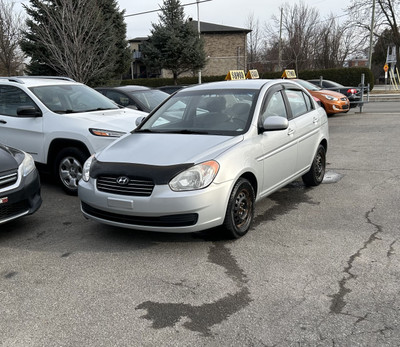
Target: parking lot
319,268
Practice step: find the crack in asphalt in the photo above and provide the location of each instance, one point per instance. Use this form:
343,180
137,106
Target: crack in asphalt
338,303
202,317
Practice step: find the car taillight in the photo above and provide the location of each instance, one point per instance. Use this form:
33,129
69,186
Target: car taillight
352,91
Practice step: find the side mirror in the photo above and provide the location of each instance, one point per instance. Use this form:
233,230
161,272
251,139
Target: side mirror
139,121
273,123
28,111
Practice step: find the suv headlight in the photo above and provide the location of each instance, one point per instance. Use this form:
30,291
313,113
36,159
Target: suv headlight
106,133
86,168
27,165
197,177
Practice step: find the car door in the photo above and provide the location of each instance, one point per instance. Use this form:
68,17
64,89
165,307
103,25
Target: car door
279,147
23,132
308,122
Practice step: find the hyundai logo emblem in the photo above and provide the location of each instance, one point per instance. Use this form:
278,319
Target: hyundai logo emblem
123,180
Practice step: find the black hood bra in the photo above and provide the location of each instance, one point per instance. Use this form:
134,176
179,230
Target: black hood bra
158,174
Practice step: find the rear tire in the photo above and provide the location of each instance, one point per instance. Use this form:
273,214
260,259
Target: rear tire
317,171
240,211
68,168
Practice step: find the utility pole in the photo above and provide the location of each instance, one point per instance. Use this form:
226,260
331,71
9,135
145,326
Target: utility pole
280,43
198,30
371,34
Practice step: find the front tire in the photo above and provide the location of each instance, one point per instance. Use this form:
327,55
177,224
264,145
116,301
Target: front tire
317,171
68,168
240,211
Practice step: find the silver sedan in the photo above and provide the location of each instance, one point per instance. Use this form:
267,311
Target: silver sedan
205,156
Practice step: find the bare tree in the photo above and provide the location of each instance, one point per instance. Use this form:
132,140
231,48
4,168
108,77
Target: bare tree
387,14
11,25
76,39
334,43
254,42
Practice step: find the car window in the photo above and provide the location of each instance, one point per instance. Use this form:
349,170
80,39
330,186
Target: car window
222,112
274,107
119,98
11,98
150,99
72,98
297,102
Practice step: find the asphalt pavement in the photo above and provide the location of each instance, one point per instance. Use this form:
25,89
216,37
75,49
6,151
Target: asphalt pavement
320,267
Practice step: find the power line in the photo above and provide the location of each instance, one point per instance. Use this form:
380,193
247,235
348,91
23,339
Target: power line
151,11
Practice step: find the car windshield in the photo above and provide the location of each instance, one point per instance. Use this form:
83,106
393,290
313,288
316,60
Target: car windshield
331,84
308,85
216,112
72,98
149,99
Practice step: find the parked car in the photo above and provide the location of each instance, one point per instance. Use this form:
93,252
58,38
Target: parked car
19,184
59,122
352,93
332,102
205,156
136,97
170,89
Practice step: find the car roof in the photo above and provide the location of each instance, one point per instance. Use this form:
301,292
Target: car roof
34,81
255,84
131,88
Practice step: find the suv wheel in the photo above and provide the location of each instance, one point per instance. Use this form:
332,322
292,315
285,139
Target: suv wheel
68,168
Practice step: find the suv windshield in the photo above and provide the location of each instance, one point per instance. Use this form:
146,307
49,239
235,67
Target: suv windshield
217,112
72,98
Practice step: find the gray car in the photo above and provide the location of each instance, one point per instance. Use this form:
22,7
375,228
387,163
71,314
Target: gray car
205,156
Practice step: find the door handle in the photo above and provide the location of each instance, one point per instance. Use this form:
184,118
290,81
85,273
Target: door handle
290,131
315,120
3,121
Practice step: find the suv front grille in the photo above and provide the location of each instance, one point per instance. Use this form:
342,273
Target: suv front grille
8,180
134,187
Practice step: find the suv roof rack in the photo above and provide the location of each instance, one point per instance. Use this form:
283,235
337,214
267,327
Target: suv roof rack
19,79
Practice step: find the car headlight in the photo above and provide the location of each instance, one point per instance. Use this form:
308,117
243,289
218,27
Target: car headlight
329,97
106,133
197,177
27,165
86,168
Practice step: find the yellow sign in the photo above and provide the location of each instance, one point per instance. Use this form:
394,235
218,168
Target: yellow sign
252,74
289,74
235,75
386,67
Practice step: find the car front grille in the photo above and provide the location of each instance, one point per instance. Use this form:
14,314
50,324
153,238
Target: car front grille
177,220
9,210
345,107
8,180
133,187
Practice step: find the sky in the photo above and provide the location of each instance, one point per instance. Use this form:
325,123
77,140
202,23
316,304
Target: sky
224,12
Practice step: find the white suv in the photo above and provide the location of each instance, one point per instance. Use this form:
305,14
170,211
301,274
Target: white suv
60,122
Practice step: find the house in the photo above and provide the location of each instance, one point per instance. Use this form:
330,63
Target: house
225,47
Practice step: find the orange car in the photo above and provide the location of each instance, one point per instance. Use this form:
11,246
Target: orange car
332,102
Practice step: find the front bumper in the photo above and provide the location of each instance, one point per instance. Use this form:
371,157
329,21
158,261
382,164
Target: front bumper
164,210
22,200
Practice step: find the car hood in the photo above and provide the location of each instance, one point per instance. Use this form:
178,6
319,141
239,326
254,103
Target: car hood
7,161
166,149
328,92
122,119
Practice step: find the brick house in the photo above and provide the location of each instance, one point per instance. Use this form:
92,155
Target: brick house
225,48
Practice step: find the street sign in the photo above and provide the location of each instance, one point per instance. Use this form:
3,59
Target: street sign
386,67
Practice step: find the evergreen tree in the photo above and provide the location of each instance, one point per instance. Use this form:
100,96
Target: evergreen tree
174,44
82,39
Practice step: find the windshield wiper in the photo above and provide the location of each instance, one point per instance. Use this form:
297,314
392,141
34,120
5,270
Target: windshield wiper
99,109
185,131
